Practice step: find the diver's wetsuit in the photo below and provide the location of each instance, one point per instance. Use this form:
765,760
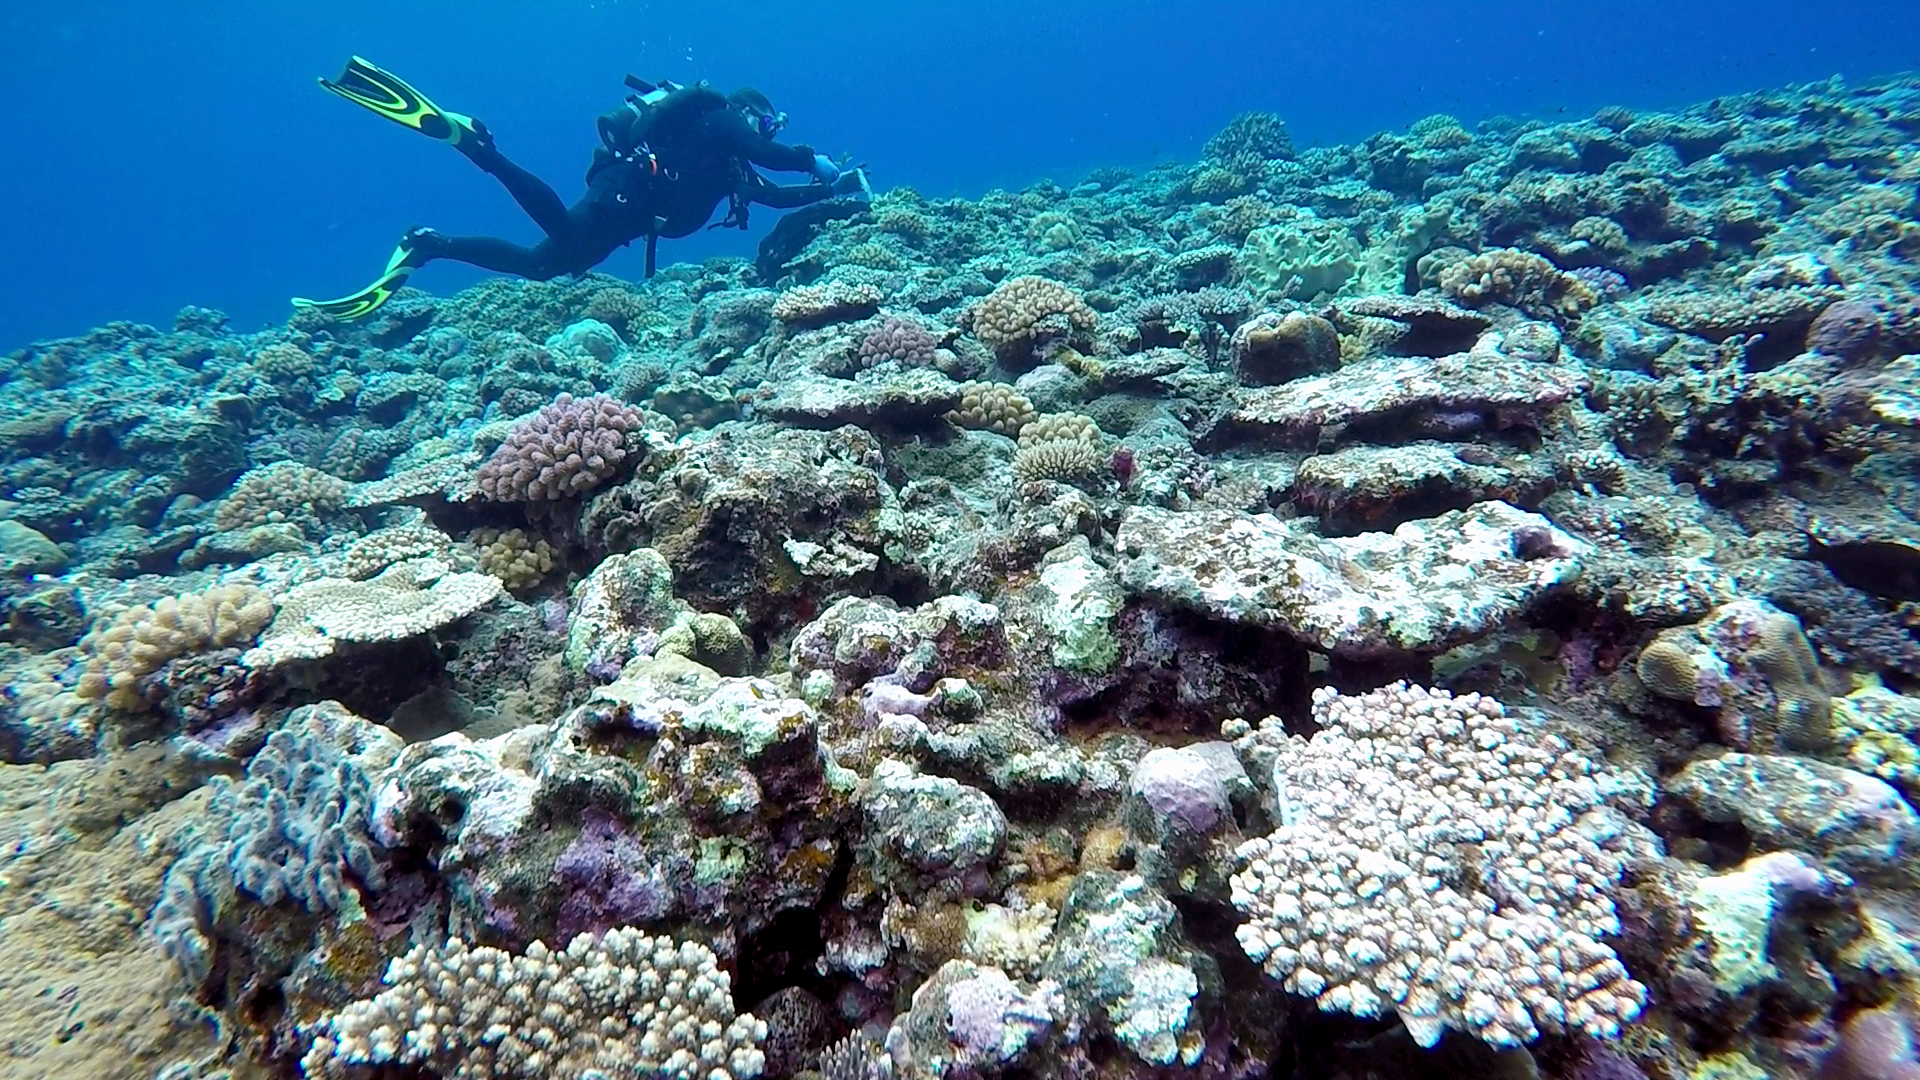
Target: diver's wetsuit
703,158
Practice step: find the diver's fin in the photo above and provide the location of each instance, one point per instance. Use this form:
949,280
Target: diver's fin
406,258
389,95
363,303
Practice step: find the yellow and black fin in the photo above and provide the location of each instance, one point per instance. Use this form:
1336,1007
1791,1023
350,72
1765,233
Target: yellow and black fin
406,258
383,92
363,303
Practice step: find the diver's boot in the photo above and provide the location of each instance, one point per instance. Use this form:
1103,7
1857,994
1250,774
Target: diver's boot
388,95
417,248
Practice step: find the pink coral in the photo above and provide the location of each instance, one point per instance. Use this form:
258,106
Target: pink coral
567,448
901,340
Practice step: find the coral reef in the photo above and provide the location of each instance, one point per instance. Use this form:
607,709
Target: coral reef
139,640
553,678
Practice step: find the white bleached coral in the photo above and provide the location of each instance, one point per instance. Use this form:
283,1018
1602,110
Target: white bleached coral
624,1006
1431,861
408,598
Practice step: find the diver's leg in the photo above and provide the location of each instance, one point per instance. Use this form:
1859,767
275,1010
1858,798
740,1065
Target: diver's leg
533,194
548,259
491,253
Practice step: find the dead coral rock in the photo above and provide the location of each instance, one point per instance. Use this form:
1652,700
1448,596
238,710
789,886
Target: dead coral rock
1362,488
1853,822
83,990
1451,396
1274,348
1428,585
753,521
1422,325
1779,298
881,400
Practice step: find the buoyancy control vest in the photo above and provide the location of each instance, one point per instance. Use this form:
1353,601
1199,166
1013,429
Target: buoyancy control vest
627,131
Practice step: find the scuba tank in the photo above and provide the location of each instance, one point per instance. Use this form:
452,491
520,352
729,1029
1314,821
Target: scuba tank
626,130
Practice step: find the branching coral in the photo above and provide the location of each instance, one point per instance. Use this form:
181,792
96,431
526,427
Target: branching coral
1249,141
622,1005
1025,313
566,449
1520,279
283,491
996,407
1429,861
139,640
520,561
903,341
1060,446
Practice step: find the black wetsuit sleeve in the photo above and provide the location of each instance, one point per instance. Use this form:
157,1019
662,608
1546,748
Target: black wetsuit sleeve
783,197
732,131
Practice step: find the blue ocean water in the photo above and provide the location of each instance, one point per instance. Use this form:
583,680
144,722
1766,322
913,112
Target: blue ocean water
164,154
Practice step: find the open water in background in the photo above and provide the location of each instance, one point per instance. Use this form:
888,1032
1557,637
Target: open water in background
158,153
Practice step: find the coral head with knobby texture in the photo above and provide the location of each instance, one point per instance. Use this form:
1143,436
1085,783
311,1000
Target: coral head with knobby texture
566,449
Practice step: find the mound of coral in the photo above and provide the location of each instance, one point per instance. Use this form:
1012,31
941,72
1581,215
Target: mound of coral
1444,605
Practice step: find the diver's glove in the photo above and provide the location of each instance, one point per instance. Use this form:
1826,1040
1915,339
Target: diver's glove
824,170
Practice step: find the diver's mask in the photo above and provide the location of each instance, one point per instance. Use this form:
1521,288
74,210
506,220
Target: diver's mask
769,124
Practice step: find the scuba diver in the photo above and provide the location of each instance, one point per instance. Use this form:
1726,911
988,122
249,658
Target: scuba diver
668,155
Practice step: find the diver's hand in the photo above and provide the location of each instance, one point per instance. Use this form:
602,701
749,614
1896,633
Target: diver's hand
824,170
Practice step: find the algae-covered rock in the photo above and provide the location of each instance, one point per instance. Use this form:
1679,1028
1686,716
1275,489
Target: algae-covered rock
1856,823
1426,586
25,550
1079,600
